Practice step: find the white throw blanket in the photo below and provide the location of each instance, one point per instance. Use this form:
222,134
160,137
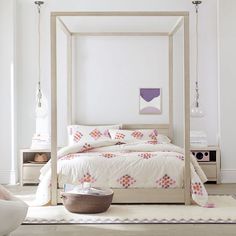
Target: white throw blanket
144,164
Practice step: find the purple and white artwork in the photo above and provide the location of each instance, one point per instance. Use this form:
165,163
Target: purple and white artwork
150,101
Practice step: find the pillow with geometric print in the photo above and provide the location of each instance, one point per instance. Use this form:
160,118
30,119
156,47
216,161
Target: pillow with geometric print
133,135
85,133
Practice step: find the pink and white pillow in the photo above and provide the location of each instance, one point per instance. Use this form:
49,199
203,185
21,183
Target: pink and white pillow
83,133
163,139
133,135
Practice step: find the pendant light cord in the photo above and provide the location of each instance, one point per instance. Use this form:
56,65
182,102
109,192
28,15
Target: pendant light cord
39,94
196,110
196,46
197,66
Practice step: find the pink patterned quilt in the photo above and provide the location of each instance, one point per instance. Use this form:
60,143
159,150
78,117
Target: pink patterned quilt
143,164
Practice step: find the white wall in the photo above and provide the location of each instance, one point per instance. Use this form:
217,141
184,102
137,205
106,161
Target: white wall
27,71
109,72
62,87
27,51
227,85
7,93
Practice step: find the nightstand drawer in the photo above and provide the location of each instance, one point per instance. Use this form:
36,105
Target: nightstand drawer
31,173
210,170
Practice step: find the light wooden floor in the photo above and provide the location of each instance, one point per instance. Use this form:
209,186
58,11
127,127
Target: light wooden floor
130,229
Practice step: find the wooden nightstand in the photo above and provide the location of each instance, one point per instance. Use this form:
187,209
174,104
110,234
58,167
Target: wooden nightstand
29,170
209,160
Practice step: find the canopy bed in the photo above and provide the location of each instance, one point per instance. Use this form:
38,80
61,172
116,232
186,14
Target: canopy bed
178,20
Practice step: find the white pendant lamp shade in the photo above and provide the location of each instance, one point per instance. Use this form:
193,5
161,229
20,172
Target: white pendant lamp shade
196,109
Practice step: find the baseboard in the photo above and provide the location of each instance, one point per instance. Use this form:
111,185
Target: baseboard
8,177
228,176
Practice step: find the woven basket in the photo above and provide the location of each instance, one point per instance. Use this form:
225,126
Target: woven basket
85,203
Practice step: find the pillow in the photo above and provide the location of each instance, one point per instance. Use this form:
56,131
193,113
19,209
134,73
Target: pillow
163,139
133,135
85,133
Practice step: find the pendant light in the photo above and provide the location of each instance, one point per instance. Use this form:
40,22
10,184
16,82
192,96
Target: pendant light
41,104
196,110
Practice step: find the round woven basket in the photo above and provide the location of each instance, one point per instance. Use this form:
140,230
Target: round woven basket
85,203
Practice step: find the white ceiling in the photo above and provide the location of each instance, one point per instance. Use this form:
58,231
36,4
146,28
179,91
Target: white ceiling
81,24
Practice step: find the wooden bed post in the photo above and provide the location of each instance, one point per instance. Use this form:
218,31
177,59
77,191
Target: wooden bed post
69,79
53,112
187,173
171,85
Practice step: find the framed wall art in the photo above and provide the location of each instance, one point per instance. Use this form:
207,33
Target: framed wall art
150,101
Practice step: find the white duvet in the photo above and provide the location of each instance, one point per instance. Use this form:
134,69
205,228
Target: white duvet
144,164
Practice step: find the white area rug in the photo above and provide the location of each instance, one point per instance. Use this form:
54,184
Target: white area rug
224,212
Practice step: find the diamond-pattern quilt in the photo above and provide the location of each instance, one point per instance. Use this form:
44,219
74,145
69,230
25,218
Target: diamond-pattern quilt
141,164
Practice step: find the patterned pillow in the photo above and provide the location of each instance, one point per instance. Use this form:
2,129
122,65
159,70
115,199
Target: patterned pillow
163,139
84,133
133,135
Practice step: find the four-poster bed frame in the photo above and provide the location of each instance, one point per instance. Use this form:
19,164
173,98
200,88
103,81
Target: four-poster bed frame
176,195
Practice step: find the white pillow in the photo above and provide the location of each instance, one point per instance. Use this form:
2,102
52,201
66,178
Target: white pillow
163,139
133,135
85,133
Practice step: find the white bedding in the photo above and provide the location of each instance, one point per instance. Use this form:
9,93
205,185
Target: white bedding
143,164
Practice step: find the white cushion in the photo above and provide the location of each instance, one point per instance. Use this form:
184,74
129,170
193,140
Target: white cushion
84,133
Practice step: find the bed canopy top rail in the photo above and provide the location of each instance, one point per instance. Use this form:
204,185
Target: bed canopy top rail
121,34
121,13
183,20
